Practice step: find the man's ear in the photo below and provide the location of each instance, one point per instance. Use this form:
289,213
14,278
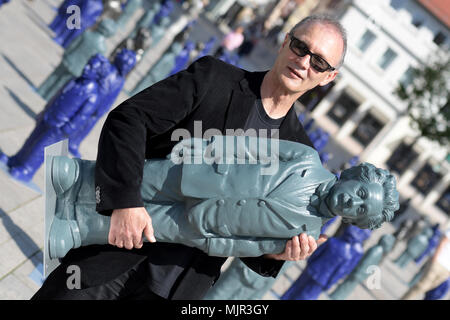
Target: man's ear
330,77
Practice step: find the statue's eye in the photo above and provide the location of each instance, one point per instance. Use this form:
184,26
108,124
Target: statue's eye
362,193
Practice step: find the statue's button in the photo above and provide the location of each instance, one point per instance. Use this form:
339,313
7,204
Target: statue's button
220,202
241,202
261,203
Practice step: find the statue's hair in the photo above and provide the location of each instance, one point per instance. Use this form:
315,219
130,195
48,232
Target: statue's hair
326,20
367,172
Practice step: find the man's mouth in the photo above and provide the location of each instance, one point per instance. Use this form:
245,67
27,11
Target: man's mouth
295,73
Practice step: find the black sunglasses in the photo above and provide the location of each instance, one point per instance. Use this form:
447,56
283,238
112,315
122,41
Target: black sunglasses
301,49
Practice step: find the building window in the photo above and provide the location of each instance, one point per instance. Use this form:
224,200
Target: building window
396,4
367,129
402,158
387,58
344,107
426,179
313,97
366,40
444,201
407,77
439,38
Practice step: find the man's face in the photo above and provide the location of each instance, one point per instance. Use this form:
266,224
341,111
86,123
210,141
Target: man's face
295,73
355,201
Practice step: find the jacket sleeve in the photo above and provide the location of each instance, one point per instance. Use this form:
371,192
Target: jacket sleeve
123,140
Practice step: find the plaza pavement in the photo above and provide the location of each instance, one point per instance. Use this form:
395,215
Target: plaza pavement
27,56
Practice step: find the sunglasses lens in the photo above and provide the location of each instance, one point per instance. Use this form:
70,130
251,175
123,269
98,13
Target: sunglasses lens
319,64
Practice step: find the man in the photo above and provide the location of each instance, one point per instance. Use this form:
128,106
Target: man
219,97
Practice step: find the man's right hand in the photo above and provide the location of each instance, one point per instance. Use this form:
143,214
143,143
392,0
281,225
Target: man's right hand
128,226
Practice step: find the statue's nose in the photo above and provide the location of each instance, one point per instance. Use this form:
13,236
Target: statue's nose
355,201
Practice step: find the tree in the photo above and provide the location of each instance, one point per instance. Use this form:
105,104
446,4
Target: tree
427,96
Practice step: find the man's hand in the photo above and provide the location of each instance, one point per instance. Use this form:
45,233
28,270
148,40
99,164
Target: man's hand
299,248
127,226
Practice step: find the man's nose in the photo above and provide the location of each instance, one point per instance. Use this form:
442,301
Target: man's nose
303,61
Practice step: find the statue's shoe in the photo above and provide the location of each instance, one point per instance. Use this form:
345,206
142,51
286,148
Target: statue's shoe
4,158
64,233
65,172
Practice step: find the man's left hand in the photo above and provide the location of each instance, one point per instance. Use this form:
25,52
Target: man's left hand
299,248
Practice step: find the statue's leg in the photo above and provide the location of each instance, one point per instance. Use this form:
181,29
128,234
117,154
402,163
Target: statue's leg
403,259
344,289
78,224
55,81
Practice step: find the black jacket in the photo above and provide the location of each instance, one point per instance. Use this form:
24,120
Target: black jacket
211,91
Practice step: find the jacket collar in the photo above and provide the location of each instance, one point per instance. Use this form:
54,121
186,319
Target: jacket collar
244,99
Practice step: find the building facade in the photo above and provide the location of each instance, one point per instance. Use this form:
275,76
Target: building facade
386,38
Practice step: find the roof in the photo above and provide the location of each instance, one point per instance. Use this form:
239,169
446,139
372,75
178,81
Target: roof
439,8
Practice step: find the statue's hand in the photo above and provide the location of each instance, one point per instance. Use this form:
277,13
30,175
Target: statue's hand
299,248
128,226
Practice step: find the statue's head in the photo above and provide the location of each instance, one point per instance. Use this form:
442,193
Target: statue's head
95,68
354,234
125,61
387,241
107,27
364,196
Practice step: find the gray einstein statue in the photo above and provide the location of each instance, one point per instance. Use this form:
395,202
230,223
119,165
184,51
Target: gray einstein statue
372,257
228,196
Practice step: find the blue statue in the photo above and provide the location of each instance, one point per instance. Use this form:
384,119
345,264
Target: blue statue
322,141
332,261
432,243
59,21
439,292
110,88
372,257
90,11
414,248
197,199
62,116
182,58
162,67
76,56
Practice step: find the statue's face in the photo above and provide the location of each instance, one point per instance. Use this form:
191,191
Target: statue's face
355,200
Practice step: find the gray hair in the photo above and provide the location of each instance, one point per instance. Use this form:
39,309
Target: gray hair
326,20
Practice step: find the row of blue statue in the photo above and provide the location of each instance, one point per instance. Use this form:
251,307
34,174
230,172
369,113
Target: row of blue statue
84,86
341,257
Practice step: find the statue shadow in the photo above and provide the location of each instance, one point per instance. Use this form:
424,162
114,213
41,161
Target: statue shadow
37,19
21,104
28,247
18,71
